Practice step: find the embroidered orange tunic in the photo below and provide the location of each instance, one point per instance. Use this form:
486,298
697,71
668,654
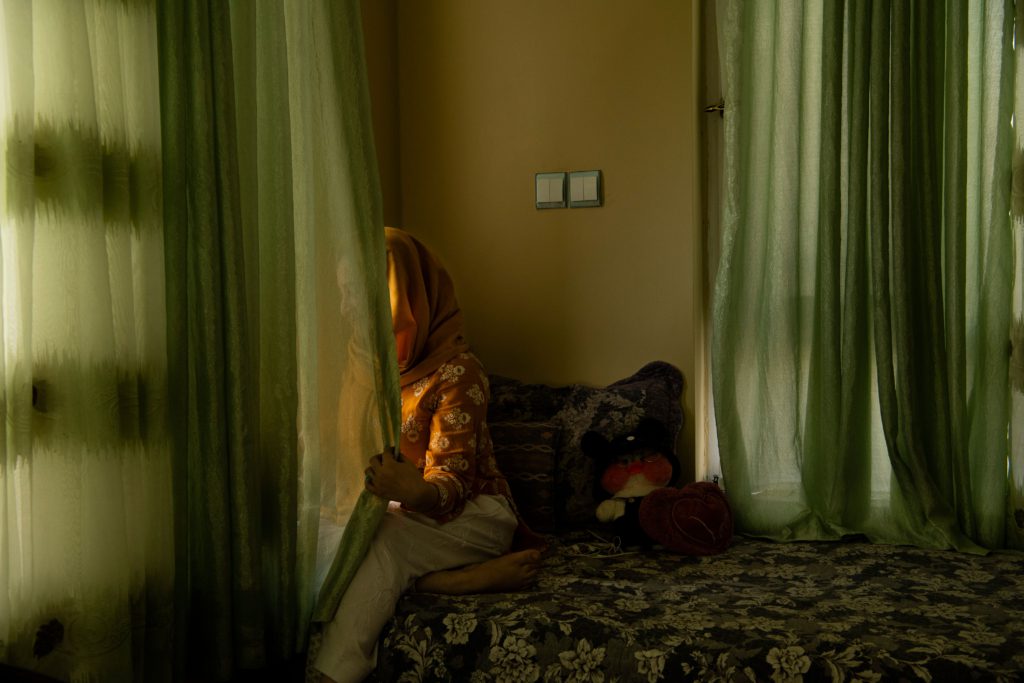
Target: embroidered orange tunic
444,432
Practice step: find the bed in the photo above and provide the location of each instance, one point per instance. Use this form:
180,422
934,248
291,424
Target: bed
760,611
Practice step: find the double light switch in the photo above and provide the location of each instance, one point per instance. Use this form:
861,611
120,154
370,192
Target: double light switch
583,189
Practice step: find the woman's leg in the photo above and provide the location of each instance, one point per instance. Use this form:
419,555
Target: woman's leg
509,572
347,649
407,545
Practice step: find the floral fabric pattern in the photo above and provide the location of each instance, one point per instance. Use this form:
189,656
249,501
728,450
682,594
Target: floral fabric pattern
760,611
444,432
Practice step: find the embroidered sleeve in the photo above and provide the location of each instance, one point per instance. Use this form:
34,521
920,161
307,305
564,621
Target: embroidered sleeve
455,430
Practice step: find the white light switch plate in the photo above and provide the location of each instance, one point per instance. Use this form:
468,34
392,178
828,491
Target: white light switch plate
585,189
550,190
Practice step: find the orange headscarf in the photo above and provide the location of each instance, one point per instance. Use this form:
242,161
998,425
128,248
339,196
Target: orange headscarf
425,314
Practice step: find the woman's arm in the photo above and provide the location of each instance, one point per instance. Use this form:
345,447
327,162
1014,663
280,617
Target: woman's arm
456,429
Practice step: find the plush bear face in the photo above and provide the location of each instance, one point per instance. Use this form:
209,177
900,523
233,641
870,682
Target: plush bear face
636,474
634,464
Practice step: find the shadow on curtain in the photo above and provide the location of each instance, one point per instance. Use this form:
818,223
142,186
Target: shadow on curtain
863,303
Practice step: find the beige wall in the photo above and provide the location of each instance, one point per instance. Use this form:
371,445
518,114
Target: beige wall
493,91
380,36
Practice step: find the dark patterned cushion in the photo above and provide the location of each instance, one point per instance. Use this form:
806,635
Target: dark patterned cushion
515,401
654,391
526,455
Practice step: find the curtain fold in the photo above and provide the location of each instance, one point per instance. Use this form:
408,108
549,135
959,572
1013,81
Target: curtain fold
212,356
197,355
347,338
863,298
284,371
86,511
367,397
1015,502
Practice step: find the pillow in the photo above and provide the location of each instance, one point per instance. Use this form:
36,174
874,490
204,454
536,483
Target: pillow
694,520
654,391
515,401
526,455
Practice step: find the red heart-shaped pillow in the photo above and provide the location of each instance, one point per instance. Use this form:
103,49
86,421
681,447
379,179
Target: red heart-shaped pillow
693,520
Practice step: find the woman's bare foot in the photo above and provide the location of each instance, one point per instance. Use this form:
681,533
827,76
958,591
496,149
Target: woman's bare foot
510,572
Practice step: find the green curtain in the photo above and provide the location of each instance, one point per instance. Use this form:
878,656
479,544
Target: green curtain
197,355
283,378
86,512
862,306
1016,470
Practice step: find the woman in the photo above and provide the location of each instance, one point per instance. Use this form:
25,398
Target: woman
451,521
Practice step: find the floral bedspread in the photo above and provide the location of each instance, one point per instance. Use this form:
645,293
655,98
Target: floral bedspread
759,612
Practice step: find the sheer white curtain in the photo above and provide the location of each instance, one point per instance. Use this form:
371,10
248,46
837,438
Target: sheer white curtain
312,208
86,531
283,364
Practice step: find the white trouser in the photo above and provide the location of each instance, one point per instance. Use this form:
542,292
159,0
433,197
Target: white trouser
407,546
